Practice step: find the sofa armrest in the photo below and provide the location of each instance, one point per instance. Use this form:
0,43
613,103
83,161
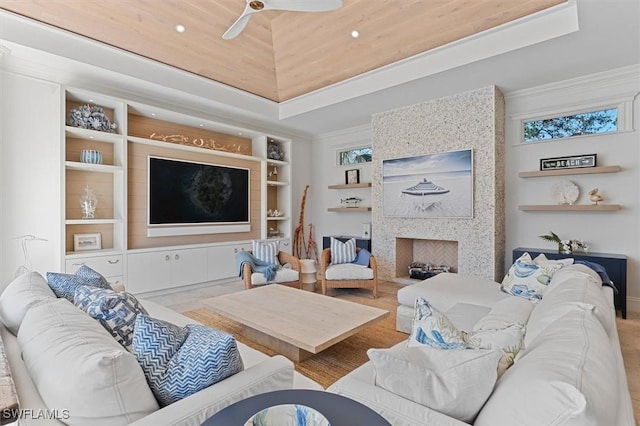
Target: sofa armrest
275,373
395,409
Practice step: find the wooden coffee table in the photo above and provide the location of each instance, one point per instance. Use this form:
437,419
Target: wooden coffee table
292,322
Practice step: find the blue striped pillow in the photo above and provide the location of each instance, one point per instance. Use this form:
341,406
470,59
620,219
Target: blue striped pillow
343,252
266,251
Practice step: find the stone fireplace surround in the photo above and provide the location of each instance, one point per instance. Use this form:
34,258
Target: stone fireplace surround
475,120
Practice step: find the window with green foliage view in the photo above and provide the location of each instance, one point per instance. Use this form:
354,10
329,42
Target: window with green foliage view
586,123
355,156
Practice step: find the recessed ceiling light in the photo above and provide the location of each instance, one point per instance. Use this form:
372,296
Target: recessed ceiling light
240,133
180,28
355,34
91,101
153,114
201,125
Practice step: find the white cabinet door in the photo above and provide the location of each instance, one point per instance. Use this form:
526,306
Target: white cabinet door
222,261
148,271
188,266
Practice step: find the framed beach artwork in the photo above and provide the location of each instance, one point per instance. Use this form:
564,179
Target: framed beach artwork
429,186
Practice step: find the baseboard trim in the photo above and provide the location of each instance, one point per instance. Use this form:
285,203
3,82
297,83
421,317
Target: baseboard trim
633,304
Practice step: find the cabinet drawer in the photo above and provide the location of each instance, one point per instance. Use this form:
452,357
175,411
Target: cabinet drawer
109,266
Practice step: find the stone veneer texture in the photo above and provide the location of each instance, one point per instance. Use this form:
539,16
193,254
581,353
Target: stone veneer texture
475,120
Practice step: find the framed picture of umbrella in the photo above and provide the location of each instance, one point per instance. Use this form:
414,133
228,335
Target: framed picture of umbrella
429,186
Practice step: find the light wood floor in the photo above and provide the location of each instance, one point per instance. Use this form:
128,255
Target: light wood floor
628,329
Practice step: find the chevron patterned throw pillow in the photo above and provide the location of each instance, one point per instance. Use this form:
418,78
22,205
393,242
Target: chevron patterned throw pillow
179,362
64,285
116,311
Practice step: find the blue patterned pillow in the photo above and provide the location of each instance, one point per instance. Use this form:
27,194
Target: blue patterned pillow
266,251
64,285
432,328
528,279
343,252
179,362
116,311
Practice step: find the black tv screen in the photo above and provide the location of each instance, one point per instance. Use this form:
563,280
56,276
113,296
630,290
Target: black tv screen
184,192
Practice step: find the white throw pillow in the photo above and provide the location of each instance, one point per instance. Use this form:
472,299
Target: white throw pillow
76,365
528,280
512,310
566,376
432,328
342,252
456,382
541,259
266,251
508,341
24,292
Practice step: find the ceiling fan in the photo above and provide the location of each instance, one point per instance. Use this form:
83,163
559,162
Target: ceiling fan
254,6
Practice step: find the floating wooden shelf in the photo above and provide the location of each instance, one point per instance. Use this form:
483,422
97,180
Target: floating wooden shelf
277,218
77,132
351,185
277,162
349,209
566,172
572,208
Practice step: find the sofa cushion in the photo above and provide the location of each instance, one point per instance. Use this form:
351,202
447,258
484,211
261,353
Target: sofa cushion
78,366
64,285
116,311
266,251
527,279
512,310
446,289
571,287
24,292
342,252
348,271
283,275
454,382
565,376
179,362
432,328
363,257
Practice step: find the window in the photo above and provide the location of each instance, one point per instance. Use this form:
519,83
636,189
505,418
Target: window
355,156
586,123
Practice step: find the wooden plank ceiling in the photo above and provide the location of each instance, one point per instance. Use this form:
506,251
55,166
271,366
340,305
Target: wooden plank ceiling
279,55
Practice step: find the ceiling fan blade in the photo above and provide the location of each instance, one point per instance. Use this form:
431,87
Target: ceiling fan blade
237,27
303,5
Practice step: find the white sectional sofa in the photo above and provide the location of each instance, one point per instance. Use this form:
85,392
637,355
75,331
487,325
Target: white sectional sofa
569,372
24,307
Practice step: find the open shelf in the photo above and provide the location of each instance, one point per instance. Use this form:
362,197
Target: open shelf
572,208
80,133
101,168
349,209
567,172
351,185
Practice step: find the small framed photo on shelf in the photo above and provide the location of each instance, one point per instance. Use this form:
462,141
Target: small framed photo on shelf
571,162
83,242
352,176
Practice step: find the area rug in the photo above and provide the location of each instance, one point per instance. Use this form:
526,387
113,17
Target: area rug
338,360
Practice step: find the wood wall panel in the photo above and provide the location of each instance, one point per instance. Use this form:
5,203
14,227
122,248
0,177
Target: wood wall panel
100,183
74,146
145,127
137,196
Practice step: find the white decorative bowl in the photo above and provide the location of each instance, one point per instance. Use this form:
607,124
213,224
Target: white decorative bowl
287,415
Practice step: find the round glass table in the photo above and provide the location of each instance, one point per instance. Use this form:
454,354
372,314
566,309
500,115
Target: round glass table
338,410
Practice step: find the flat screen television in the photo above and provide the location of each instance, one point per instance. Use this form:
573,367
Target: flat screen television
192,193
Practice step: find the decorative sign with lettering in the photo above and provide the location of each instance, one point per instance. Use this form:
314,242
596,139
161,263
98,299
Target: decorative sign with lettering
573,162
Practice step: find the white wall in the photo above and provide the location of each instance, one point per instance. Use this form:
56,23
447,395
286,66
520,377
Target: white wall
31,173
615,232
327,172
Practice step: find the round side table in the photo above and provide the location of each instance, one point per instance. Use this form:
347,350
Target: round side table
339,410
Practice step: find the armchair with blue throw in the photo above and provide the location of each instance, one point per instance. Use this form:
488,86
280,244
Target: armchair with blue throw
268,266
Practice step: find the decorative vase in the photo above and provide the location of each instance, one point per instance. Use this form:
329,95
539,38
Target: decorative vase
91,156
565,247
